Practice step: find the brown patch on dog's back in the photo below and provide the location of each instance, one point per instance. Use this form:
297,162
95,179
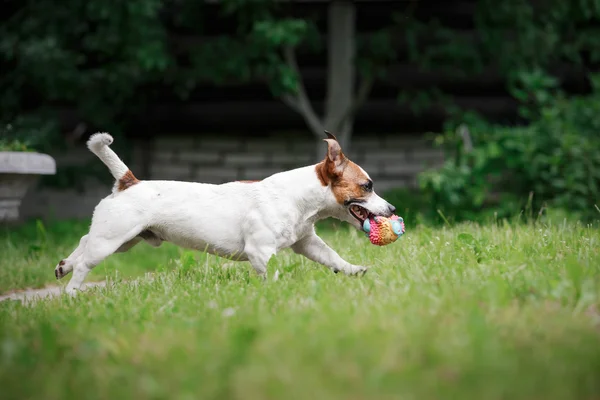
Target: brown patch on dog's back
127,181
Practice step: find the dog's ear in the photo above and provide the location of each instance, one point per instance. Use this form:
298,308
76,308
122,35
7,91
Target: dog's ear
335,160
330,135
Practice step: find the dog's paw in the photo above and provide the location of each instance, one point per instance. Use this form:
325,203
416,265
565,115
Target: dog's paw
72,292
356,270
62,269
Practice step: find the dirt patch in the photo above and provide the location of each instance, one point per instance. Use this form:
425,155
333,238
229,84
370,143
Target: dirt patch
30,295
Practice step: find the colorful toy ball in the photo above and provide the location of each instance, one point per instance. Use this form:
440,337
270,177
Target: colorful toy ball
382,231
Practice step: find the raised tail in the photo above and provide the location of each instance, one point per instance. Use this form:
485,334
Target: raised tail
99,144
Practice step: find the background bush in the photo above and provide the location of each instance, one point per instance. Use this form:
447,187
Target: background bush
553,161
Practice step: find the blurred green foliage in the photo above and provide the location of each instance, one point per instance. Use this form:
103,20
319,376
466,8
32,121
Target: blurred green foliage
109,59
26,133
553,160
526,42
91,55
13,145
512,36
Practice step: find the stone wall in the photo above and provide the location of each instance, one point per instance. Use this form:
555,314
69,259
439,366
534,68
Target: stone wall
392,161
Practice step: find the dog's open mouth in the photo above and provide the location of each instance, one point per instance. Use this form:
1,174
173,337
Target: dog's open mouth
360,213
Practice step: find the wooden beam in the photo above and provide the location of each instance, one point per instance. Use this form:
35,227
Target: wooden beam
401,76
255,116
263,117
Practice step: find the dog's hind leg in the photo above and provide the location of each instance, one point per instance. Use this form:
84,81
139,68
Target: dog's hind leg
151,238
65,266
125,247
103,240
146,235
86,262
97,249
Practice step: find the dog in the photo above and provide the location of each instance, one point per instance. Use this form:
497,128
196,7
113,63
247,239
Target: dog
241,220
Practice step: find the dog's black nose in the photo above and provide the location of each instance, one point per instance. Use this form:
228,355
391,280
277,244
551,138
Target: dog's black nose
392,209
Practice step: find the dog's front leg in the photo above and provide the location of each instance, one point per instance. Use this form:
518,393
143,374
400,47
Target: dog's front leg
259,251
315,249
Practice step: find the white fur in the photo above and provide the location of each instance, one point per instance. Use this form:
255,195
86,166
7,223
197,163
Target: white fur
98,144
242,221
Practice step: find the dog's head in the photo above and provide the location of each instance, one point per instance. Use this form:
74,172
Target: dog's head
351,187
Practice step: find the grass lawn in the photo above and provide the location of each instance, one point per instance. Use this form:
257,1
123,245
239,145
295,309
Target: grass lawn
467,312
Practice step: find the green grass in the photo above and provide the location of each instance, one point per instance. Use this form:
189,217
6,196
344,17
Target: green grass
467,312
29,255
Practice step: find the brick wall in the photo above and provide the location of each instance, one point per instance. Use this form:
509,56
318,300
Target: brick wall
392,161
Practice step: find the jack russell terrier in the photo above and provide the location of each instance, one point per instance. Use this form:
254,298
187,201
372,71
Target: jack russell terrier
244,221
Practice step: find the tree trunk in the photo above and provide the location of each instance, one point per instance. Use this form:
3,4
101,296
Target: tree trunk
341,101
320,151
341,73
345,134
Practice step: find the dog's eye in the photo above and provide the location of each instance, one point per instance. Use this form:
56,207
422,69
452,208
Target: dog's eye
368,186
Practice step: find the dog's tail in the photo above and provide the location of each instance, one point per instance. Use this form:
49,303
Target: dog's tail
99,144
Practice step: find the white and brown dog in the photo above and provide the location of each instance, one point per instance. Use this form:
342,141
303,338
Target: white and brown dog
239,220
